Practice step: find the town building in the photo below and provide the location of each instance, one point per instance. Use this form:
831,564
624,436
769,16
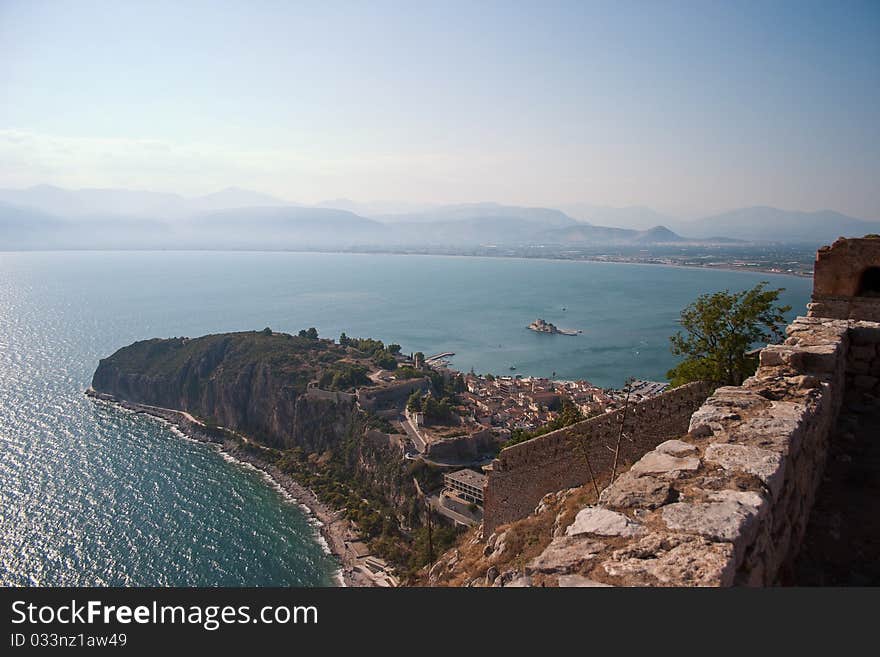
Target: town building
467,484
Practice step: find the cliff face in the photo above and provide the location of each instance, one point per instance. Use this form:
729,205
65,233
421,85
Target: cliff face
254,383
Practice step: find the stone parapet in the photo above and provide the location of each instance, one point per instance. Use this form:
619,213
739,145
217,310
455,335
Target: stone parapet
523,473
729,502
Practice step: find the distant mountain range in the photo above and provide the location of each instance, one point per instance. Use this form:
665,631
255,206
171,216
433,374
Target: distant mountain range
126,202
46,217
773,224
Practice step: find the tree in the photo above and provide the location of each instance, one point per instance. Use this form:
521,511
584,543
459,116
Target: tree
385,360
720,329
393,349
312,333
266,331
414,403
343,339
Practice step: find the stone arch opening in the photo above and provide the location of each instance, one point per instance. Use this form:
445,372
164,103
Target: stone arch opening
869,283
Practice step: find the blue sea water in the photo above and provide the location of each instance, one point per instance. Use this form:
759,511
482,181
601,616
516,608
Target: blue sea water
91,495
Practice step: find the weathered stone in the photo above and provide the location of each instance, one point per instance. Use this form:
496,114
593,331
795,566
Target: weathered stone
865,333
522,474
564,554
838,274
824,358
730,516
568,581
676,448
523,581
712,416
596,520
782,356
760,462
673,560
629,490
657,462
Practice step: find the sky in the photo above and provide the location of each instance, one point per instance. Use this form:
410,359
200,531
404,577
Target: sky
685,107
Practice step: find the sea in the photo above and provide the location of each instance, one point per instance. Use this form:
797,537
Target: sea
91,495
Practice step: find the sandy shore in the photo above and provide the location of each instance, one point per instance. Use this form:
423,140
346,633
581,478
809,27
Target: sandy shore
337,532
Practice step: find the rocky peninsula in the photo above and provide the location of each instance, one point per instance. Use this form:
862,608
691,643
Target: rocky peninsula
286,405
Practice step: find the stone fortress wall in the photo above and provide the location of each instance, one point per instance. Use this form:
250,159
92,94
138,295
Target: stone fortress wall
846,280
390,396
729,502
522,474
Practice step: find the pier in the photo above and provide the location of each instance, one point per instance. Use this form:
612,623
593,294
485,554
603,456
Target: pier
435,358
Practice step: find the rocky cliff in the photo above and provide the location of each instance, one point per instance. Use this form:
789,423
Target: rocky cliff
254,382
261,385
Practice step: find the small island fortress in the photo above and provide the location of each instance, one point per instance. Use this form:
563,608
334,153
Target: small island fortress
540,326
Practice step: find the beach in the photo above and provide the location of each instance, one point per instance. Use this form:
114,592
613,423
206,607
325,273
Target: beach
337,532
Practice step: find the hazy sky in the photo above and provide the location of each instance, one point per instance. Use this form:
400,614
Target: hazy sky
685,107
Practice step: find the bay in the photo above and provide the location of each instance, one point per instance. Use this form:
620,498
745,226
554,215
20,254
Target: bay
90,495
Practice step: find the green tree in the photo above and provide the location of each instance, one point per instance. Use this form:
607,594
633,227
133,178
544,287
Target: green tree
312,333
719,329
385,360
393,349
414,403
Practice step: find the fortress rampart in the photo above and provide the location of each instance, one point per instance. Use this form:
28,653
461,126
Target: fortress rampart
728,503
392,395
524,473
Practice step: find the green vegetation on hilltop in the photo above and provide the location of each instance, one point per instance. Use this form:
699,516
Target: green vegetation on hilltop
298,359
435,412
376,350
408,372
344,376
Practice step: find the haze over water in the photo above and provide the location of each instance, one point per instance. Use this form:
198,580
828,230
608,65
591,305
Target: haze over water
92,495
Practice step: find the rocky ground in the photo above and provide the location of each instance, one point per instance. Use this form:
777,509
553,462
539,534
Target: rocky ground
842,543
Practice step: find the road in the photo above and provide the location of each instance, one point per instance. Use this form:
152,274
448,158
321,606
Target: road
413,435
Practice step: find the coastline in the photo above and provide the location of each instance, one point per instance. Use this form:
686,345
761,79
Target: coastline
336,532
545,258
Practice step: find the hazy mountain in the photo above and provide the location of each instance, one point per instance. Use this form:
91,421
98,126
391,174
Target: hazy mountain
657,235
773,224
373,209
232,198
546,217
126,202
52,217
281,228
482,230
585,234
638,218
27,228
